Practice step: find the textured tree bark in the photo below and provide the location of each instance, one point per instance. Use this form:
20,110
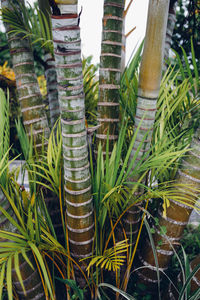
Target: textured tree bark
52,88
177,216
148,90
50,71
110,72
170,27
30,98
4,222
79,202
173,294
31,280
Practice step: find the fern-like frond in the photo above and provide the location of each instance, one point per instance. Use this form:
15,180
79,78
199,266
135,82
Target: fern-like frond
112,258
30,23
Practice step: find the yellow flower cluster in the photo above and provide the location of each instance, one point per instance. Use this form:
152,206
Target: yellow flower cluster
7,72
42,84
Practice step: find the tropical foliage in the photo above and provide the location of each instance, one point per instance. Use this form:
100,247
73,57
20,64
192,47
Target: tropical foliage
100,221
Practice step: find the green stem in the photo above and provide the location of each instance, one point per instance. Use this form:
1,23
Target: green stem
110,72
79,202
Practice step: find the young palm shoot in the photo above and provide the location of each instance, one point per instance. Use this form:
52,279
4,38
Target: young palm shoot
79,202
4,155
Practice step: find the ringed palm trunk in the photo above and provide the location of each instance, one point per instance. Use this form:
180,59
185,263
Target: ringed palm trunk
177,216
110,72
79,202
31,278
4,222
148,90
170,27
50,71
195,282
32,107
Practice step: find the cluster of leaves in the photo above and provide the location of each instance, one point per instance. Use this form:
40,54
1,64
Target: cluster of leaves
90,84
187,27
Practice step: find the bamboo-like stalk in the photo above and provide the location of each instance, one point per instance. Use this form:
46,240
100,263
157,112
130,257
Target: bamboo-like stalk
79,202
32,107
110,72
50,71
148,90
177,216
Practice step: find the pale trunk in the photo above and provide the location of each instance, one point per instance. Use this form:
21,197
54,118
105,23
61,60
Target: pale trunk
148,90
110,72
79,202
32,107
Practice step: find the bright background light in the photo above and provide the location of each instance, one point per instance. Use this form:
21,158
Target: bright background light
91,26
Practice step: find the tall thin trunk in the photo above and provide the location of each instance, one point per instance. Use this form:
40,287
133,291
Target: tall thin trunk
177,216
170,27
50,70
79,202
110,72
148,90
32,107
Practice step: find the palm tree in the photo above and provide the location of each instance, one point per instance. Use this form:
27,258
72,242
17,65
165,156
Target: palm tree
170,27
79,202
194,282
110,72
148,90
31,278
50,71
32,106
175,218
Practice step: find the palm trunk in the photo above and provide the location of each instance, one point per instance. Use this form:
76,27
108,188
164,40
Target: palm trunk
173,294
4,222
148,90
79,202
170,27
31,280
110,72
50,70
177,216
30,98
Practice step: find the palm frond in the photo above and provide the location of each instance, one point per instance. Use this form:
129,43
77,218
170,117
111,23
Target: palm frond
112,258
4,135
30,23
